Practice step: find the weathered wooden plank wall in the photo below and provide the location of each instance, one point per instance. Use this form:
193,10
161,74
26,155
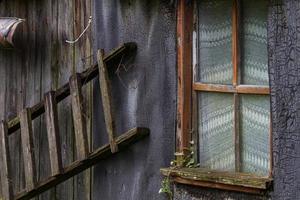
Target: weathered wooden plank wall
45,62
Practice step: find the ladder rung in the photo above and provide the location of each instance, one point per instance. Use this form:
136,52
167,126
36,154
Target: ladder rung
5,166
28,148
53,133
111,59
106,100
84,159
124,141
78,117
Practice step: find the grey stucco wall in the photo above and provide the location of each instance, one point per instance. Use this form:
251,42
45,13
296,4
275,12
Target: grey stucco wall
144,94
284,66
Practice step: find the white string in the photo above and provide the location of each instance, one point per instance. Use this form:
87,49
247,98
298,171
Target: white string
86,28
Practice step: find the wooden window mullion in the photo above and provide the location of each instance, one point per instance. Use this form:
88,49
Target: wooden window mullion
235,82
235,39
235,88
240,89
271,148
236,130
184,65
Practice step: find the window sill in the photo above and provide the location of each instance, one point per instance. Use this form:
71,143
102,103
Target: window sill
240,182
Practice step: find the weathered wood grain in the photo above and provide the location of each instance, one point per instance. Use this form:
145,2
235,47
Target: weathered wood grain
14,94
28,149
207,178
205,87
184,62
5,166
235,44
235,81
83,58
110,59
123,141
53,133
65,61
253,89
188,191
220,186
105,88
81,140
241,89
237,137
45,63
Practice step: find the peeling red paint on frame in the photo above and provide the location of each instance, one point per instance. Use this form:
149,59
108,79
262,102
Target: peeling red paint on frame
184,66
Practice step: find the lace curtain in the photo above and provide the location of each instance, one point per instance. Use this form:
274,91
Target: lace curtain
216,136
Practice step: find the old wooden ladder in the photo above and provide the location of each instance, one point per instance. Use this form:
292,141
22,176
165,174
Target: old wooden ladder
85,159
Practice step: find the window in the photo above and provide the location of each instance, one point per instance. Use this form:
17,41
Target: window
223,103
231,86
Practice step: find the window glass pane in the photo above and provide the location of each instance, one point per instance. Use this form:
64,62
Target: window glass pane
254,57
216,148
214,41
255,122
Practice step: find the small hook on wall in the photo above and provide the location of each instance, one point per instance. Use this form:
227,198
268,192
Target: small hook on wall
83,32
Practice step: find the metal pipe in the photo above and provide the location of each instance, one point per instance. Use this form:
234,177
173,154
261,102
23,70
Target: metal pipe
8,26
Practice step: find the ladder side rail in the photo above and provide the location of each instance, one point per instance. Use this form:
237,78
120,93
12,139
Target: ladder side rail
113,58
53,133
5,163
105,90
79,121
28,148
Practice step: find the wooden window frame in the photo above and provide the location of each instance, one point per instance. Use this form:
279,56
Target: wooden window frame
187,86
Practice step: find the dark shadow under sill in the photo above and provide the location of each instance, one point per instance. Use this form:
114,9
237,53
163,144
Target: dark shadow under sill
232,181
